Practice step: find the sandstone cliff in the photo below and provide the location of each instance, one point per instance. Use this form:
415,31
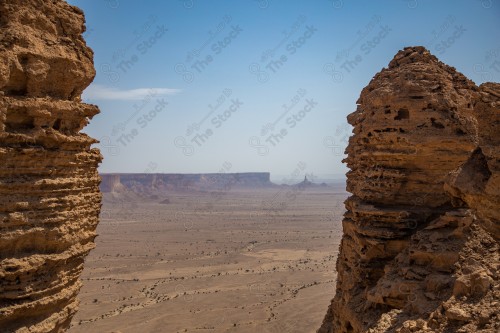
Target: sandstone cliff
49,194
420,250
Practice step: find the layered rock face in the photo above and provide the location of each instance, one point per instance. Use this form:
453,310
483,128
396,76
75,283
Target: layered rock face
49,186
420,250
477,182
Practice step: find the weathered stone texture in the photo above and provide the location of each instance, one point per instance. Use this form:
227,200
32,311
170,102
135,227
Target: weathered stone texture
49,186
420,248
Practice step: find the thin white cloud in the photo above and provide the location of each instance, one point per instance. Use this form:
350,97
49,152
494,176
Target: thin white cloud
99,92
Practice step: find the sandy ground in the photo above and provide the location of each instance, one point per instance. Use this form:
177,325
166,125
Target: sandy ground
228,261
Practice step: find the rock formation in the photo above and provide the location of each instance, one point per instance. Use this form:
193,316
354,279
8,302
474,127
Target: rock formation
49,194
420,251
161,183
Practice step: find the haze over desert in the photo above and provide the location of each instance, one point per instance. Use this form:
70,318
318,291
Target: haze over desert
213,261
250,166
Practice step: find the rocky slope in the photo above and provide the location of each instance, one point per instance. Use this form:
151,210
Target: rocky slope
49,194
420,250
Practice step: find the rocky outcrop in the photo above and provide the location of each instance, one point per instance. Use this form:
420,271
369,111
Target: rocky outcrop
161,183
420,249
477,182
49,194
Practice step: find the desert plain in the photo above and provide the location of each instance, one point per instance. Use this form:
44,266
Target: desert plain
236,260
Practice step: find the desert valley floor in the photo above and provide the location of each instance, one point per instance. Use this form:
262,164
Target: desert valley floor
240,260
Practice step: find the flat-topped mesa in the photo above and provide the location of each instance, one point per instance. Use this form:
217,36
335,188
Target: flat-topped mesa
49,186
416,123
163,182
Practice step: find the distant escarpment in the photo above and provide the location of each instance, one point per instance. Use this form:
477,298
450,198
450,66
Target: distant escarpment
420,250
161,183
49,186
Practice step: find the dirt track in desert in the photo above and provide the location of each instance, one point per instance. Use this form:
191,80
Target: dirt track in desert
242,260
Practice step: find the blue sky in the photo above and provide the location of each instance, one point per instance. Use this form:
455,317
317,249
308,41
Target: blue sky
199,85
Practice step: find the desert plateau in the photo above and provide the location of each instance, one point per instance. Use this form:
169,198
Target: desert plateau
254,166
213,261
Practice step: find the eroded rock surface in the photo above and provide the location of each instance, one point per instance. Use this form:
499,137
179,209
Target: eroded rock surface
49,186
420,250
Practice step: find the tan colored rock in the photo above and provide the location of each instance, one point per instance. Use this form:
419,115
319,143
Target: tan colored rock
49,194
457,313
421,227
43,51
477,182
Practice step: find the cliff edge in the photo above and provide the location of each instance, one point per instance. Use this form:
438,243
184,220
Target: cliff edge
420,250
49,186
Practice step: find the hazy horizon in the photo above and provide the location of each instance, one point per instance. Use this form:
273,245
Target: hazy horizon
186,86
275,178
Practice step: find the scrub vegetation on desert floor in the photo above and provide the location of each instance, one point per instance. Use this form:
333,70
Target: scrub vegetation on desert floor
245,260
